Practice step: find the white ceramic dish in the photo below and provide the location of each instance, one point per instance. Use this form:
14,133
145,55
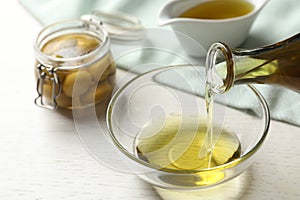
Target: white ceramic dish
232,31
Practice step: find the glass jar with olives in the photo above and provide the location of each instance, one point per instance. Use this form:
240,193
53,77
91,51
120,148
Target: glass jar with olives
74,67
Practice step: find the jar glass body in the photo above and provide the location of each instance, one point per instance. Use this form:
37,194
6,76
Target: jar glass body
74,67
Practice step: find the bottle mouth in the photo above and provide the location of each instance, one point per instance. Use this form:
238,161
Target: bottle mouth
219,68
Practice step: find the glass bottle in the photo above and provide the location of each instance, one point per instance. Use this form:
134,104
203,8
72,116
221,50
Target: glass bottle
277,64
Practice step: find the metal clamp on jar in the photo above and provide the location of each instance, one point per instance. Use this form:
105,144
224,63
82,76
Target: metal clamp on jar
74,66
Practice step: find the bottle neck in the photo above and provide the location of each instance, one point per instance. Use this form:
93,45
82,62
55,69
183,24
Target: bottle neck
220,68
276,64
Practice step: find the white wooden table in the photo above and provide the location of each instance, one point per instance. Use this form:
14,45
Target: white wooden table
42,156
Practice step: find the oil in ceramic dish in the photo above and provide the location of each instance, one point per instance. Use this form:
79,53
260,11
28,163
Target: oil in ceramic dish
219,9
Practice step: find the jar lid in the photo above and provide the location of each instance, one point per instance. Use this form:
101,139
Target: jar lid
119,26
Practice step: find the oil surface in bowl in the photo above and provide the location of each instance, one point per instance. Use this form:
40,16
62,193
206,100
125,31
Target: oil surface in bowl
178,146
219,9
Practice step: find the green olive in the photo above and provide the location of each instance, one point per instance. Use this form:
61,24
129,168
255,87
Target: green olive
84,82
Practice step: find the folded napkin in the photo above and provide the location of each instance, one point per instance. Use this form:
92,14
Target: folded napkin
277,21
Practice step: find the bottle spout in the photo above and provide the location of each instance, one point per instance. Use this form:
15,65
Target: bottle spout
220,68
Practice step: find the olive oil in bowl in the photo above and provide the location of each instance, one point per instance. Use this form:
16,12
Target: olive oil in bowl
179,146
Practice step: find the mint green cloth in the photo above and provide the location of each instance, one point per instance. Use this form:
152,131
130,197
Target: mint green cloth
277,21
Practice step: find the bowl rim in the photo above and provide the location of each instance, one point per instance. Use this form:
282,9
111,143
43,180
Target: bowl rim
250,153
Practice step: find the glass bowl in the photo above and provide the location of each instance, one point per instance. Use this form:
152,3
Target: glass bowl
155,119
